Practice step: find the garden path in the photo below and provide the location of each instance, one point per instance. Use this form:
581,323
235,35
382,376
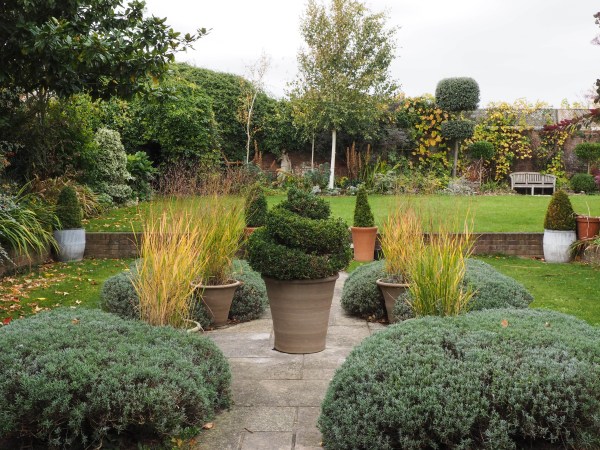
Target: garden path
277,396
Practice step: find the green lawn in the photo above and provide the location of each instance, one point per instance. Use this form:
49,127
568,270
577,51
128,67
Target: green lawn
502,213
570,288
75,284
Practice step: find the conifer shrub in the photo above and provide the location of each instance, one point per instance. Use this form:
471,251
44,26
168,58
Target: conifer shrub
560,214
495,379
255,208
84,378
300,241
363,216
68,210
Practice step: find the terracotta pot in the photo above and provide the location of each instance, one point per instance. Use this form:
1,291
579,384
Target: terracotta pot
218,300
587,227
391,292
364,239
557,245
300,311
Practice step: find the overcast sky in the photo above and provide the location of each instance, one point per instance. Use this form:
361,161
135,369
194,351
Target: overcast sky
537,49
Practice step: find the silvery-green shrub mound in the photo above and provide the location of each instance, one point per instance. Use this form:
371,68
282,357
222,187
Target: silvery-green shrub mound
79,378
362,297
495,379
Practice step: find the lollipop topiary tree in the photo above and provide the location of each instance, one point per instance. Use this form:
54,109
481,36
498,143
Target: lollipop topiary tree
458,96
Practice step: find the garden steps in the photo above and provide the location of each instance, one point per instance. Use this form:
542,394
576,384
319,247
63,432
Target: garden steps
277,396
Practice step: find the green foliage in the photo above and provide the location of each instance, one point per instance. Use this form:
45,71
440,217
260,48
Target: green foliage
362,297
83,378
457,94
107,168
255,208
118,296
250,299
560,214
142,173
583,182
456,383
68,210
363,217
481,150
300,241
588,151
457,130
25,224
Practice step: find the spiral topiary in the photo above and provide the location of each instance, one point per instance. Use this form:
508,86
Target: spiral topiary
363,217
300,241
255,210
560,214
68,210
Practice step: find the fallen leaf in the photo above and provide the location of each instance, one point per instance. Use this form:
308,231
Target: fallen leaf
6,321
208,426
547,325
75,321
78,302
41,298
504,323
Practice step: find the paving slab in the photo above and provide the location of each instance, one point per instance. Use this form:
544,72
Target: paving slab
268,441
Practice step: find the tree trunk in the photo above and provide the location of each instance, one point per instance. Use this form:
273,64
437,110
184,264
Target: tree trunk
312,154
332,170
455,162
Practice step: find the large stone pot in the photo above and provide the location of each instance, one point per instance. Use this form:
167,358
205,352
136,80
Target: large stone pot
587,227
557,245
300,311
391,292
218,300
70,244
363,240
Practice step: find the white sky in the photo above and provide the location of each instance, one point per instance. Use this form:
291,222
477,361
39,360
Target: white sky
537,49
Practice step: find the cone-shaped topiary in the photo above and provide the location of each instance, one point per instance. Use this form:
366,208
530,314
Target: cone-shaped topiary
560,214
68,209
300,241
363,217
255,209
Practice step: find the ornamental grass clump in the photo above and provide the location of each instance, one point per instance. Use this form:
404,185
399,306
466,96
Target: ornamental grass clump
300,241
560,214
255,208
437,274
401,241
363,216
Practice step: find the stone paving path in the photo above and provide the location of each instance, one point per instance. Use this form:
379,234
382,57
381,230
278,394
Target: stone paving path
277,396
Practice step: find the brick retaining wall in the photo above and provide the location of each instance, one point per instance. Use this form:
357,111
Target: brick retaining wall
111,245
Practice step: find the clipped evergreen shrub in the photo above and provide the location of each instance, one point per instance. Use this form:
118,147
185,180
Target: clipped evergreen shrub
361,296
457,94
363,216
83,378
589,152
118,296
300,241
481,150
560,214
68,210
496,379
255,208
583,182
457,130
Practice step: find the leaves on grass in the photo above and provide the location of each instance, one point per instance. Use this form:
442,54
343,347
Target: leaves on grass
504,323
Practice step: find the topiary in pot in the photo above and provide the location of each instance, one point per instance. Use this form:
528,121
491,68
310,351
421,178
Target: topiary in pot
299,253
364,231
70,238
559,228
255,208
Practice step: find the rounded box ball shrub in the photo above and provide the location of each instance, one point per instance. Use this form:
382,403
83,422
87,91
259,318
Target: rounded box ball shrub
583,182
496,379
492,289
481,150
81,378
560,214
68,210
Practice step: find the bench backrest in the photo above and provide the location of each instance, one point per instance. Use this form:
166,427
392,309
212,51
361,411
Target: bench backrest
532,178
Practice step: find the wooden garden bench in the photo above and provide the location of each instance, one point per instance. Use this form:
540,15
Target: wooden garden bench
532,180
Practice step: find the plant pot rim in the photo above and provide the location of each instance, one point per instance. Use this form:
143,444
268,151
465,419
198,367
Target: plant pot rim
229,284
382,282
363,228
305,281
584,218
559,231
71,229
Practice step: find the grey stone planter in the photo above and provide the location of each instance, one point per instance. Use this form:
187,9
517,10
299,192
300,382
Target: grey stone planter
71,244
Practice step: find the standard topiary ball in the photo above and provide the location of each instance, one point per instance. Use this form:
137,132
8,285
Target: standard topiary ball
560,214
84,378
300,241
255,210
363,216
496,379
457,94
457,130
588,151
68,210
481,150
583,182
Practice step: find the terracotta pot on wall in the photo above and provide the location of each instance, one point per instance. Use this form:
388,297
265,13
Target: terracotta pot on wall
218,300
300,311
363,239
391,292
587,227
